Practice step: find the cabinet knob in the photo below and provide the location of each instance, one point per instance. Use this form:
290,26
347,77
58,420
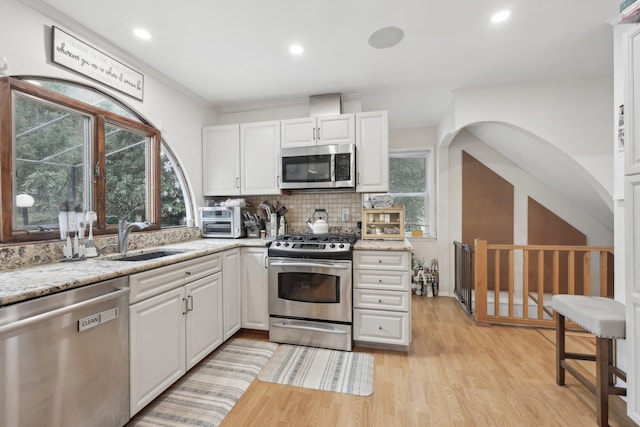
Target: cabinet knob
379,280
380,301
379,261
188,273
380,328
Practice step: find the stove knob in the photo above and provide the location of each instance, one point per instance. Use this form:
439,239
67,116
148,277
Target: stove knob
278,243
286,244
332,245
341,245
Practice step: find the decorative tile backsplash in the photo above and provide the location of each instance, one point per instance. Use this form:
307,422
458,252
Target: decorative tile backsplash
301,206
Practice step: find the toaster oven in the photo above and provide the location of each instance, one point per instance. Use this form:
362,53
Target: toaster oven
222,222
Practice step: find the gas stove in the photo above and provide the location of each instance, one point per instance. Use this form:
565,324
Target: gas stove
318,246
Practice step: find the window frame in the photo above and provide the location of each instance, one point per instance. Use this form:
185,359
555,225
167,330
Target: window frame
429,193
99,117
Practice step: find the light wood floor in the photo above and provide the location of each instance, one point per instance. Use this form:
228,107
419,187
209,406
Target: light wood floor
455,374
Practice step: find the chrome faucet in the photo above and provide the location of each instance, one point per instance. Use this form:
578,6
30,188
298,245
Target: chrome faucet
124,228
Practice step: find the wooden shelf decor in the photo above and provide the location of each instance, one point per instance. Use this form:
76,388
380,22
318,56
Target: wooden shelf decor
383,223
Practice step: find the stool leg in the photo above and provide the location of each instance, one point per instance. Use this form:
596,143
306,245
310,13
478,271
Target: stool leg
602,380
560,349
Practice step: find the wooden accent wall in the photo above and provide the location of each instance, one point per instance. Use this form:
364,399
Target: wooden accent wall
487,210
546,228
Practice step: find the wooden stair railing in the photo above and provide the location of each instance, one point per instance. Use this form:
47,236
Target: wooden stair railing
524,282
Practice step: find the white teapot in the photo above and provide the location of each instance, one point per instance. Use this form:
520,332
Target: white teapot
320,225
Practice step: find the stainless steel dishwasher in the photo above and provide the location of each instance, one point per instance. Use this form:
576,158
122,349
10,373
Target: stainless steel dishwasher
65,358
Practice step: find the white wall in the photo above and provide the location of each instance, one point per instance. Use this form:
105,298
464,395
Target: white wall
574,115
25,39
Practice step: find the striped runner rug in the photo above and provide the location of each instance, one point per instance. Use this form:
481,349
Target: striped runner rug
205,395
320,369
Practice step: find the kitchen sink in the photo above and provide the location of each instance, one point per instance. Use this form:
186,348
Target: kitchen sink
146,255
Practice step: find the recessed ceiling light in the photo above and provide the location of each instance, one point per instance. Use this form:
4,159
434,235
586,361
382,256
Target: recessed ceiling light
296,49
142,33
501,16
386,37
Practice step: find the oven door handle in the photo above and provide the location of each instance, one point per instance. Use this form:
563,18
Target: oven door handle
309,264
310,328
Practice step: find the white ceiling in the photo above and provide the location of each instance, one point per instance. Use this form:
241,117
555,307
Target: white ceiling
234,54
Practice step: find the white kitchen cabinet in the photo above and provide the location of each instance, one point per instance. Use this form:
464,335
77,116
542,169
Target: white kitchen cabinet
255,296
259,153
231,292
175,317
221,160
320,130
632,219
382,299
240,159
372,152
632,104
632,279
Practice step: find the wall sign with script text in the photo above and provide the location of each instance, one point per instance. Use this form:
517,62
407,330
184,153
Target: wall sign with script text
82,58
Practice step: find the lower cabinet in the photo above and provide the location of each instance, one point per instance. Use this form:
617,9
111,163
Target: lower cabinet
382,298
255,296
231,292
175,320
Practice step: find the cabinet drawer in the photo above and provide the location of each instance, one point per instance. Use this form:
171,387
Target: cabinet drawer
383,260
381,300
386,280
153,282
384,327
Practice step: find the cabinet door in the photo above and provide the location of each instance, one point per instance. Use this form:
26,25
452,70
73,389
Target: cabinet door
255,304
259,150
632,302
383,327
157,336
372,144
204,317
231,293
298,132
221,160
335,129
632,105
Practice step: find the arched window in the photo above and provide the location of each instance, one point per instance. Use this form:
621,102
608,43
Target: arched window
71,148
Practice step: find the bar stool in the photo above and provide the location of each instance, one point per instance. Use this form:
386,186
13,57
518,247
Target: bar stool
604,318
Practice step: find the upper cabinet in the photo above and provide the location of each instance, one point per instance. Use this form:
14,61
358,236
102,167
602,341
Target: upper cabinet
240,159
259,154
372,152
632,103
221,160
321,130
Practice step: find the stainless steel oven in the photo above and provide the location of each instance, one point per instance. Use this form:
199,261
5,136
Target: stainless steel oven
311,293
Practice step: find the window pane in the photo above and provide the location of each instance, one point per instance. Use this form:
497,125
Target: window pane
126,163
49,160
86,95
407,175
172,194
414,212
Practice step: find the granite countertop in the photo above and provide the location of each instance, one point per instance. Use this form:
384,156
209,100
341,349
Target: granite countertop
383,245
27,283
32,282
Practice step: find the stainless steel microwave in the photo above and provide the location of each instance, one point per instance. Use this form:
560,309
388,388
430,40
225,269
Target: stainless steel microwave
222,222
318,166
